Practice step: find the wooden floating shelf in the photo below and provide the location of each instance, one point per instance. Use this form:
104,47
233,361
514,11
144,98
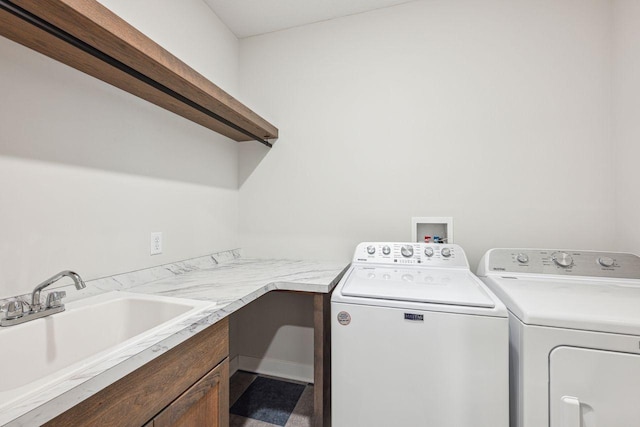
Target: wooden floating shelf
89,37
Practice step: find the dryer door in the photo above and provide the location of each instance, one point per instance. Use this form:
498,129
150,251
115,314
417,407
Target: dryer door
593,388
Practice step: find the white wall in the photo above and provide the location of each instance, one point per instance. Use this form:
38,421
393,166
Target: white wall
274,335
87,171
496,113
189,30
626,110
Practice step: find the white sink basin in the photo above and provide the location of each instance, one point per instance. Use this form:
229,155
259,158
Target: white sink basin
46,351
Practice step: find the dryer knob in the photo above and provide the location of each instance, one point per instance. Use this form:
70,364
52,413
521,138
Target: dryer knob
522,258
406,251
562,259
428,251
386,250
445,252
371,249
605,261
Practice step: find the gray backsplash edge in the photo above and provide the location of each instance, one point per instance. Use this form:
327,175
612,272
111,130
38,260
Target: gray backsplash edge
124,281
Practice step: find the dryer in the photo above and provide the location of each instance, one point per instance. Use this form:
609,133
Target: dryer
417,340
574,330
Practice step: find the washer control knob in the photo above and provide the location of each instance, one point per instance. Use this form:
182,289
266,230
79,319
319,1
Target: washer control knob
406,251
445,252
371,249
562,259
386,250
428,251
522,258
605,261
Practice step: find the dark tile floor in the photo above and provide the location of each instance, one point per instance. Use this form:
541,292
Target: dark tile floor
262,401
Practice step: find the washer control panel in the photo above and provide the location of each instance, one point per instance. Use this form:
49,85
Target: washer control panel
565,262
423,254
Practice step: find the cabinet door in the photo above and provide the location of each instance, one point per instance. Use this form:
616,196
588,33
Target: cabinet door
206,403
593,388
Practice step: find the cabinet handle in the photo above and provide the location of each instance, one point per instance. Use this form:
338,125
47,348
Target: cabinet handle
570,412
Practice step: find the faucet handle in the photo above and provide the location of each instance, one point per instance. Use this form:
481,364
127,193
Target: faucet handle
14,310
54,299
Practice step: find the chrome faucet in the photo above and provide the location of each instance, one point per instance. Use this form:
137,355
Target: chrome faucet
35,296
16,314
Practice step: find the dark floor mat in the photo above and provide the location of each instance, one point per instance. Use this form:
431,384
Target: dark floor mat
268,400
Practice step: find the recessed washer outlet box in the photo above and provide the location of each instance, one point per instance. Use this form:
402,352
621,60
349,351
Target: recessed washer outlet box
433,226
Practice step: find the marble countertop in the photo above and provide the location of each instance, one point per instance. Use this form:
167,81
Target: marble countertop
226,280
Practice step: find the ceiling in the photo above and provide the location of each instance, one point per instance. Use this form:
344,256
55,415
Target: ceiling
247,18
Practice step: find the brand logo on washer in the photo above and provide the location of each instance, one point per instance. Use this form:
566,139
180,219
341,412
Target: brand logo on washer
344,318
414,317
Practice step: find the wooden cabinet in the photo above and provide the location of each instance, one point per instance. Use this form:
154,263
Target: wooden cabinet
204,404
322,360
175,389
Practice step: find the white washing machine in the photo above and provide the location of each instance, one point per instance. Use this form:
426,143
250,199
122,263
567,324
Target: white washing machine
574,320
417,340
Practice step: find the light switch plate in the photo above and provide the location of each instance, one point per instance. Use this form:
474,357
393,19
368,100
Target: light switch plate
156,243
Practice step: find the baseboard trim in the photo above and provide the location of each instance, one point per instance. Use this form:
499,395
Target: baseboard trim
274,367
233,365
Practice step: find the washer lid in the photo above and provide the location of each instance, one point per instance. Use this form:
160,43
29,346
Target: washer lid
428,285
589,304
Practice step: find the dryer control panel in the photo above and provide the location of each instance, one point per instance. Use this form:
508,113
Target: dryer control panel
418,254
561,262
